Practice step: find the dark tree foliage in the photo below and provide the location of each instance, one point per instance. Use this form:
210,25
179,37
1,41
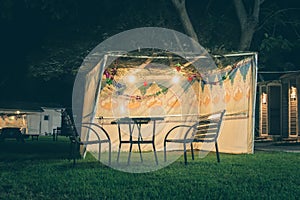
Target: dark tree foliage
43,42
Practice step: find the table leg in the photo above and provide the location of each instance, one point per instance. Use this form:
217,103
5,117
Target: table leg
140,139
130,148
130,141
154,150
99,154
120,144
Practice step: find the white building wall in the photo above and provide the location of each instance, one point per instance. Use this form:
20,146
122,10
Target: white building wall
33,123
36,122
51,119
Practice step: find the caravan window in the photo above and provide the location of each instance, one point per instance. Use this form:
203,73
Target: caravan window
46,117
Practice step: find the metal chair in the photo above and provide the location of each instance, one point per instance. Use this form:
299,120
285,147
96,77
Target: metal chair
205,130
76,141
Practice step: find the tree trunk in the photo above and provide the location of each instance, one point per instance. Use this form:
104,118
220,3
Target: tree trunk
248,22
247,33
184,17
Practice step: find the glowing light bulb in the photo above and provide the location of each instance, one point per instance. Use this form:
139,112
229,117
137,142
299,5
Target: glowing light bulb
131,79
176,79
293,93
264,98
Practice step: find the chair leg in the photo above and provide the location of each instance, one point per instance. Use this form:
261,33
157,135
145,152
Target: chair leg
165,151
74,153
217,152
154,150
192,150
140,150
71,151
99,154
118,157
130,149
184,154
109,153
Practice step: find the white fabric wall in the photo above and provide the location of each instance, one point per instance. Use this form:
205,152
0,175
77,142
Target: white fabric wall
237,135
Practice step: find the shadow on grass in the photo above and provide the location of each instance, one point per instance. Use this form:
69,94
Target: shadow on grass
45,148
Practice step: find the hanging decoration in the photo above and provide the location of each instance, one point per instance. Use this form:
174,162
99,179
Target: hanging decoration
220,76
190,77
244,70
208,79
110,73
143,89
203,79
178,67
164,90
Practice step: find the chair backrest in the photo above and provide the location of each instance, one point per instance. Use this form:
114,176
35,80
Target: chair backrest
207,129
68,127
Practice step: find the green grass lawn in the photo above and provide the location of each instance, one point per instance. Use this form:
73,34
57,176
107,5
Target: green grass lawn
41,170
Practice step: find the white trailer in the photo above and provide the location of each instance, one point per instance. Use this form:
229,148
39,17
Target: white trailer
35,122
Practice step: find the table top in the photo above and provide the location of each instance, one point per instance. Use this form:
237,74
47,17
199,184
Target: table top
136,120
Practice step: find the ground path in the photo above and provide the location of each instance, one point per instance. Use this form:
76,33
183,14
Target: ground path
293,147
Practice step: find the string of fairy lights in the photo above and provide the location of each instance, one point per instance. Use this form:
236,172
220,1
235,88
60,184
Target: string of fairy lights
110,74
